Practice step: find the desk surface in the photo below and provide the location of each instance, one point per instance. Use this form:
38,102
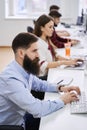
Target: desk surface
63,119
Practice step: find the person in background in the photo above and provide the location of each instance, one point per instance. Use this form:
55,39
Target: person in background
19,77
57,40
63,32
54,7
44,28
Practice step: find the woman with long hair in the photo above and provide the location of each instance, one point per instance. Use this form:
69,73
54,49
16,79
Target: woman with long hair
44,28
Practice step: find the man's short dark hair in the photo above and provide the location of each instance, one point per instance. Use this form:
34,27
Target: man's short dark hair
55,14
23,40
54,7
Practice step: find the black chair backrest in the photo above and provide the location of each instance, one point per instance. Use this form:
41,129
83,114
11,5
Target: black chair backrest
11,127
30,29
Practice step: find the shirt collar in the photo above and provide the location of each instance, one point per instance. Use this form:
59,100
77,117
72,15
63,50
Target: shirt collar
21,69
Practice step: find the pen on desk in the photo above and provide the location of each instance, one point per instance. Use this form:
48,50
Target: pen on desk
70,82
60,81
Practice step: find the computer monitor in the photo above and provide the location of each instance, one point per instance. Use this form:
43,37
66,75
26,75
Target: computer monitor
85,23
79,21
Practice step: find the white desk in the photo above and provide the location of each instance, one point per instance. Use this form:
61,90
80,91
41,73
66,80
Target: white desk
63,119
77,51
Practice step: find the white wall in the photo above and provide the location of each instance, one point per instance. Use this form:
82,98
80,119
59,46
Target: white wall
69,9
10,27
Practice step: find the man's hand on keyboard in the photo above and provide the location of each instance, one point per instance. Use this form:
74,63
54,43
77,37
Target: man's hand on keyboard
69,97
70,88
79,106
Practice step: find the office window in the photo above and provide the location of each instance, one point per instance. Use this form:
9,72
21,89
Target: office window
15,8
27,8
21,7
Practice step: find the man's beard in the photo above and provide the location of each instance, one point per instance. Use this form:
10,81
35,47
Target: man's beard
31,66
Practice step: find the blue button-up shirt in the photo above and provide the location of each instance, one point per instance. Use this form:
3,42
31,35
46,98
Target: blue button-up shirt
16,98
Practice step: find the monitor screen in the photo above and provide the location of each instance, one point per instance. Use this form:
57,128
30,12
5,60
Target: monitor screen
85,23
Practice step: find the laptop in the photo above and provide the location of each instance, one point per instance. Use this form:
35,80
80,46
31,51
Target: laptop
80,66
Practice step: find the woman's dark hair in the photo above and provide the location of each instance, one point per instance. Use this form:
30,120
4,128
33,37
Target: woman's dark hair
41,22
54,7
23,40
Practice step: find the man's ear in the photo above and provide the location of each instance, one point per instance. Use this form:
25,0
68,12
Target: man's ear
21,53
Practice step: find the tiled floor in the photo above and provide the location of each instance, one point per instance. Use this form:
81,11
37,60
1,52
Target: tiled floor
6,56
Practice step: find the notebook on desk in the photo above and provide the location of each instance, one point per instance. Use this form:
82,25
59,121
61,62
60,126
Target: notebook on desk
63,80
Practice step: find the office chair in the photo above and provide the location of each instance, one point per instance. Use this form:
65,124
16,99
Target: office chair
11,127
79,20
30,29
32,123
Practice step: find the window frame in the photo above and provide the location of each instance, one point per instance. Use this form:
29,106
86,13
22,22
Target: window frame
11,10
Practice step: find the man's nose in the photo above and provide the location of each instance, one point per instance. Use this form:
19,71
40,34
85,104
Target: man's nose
37,54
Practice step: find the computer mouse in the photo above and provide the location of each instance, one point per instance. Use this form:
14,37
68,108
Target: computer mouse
80,60
79,63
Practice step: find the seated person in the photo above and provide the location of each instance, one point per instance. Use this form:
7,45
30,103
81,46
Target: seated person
44,28
17,80
55,38
63,32
54,7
